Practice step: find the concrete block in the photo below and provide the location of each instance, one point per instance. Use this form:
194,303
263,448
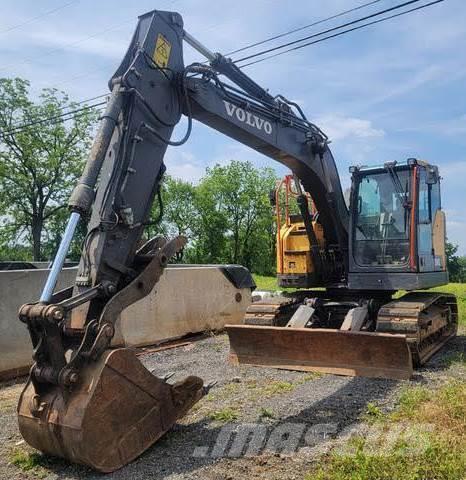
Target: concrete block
16,288
188,299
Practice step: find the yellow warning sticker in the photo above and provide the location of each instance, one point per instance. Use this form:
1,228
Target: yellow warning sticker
162,51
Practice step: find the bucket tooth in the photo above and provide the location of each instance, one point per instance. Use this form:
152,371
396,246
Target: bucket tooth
117,410
209,386
167,376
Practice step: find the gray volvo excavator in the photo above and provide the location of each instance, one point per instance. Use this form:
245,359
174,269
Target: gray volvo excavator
99,406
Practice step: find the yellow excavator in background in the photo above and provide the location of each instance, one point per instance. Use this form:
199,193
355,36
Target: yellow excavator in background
294,256
294,262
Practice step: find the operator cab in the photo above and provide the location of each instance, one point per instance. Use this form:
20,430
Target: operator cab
397,227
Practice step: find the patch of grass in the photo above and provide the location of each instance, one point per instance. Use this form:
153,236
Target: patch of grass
223,393
445,408
9,396
266,283
448,408
266,389
29,462
217,395
455,359
229,395
266,413
438,460
436,449
251,384
410,400
308,377
373,412
277,387
7,405
458,289
225,415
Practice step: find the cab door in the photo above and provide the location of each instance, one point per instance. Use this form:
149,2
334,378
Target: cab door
431,223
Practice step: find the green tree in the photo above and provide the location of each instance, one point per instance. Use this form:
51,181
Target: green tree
235,223
15,253
39,164
179,209
53,235
227,217
462,276
209,239
456,265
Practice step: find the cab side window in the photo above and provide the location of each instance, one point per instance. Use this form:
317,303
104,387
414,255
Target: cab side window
424,203
434,191
429,198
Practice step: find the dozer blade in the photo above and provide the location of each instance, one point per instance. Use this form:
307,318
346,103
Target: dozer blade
323,350
117,410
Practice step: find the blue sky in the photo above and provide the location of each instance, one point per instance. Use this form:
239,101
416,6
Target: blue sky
388,92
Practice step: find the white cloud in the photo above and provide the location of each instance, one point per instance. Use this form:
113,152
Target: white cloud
184,165
108,45
452,127
237,151
456,223
453,175
456,233
414,82
338,127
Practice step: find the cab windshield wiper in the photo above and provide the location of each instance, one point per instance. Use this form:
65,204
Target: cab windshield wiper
401,193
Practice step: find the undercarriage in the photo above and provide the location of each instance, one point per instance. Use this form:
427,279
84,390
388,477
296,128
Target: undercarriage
345,332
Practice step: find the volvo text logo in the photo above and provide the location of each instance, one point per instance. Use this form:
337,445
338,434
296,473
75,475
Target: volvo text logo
248,118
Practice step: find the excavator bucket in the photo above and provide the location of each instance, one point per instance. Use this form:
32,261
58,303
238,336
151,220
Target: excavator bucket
117,410
321,350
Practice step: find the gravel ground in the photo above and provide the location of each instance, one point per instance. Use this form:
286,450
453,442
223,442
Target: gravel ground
245,395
